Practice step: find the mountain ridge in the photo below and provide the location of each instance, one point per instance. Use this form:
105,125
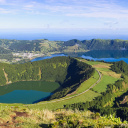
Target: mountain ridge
24,50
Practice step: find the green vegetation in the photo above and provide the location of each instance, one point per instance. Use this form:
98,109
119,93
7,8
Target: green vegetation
108,99
99,102
86,119
91,94
99,44
28,118
54,69
86,84
91,62
66,71
102,86
107,53
30,85
120,67
45,47
75,45
88,96
5,54
54,104
114,99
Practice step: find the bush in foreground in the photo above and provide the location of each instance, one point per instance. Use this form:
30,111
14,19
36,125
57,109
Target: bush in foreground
28,118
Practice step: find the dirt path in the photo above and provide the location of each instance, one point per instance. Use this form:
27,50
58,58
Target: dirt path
39,73
6,76
12,122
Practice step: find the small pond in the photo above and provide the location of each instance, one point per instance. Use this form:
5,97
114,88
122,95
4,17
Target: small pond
27,92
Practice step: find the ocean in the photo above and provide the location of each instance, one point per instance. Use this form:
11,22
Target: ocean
57,37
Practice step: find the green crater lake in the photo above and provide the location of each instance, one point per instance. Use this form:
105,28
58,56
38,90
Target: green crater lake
27,92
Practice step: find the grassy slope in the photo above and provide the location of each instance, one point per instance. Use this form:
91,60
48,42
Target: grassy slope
25,118
108,76
81,98
88,96
102,86
86,85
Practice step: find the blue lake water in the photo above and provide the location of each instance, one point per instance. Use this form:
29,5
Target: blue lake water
105,59
47,57
107,56
27,92
24,96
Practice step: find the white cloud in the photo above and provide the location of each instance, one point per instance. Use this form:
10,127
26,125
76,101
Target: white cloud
99,15
2,1
92,8
4,11
72,8
99,9
29,6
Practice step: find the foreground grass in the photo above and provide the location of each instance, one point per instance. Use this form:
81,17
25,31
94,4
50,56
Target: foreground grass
28,118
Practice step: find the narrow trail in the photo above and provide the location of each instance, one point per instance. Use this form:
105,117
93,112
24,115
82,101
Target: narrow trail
62,99
6,76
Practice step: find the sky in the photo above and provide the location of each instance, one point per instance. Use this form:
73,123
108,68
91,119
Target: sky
76,17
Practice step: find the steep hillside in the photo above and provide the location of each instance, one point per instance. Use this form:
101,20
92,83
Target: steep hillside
120,67
99,44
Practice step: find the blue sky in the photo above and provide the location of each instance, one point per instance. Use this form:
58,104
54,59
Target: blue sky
65,16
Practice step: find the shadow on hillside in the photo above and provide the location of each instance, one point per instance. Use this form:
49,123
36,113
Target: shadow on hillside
73,75
47,98
43,125
121,99
72,79
77,72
